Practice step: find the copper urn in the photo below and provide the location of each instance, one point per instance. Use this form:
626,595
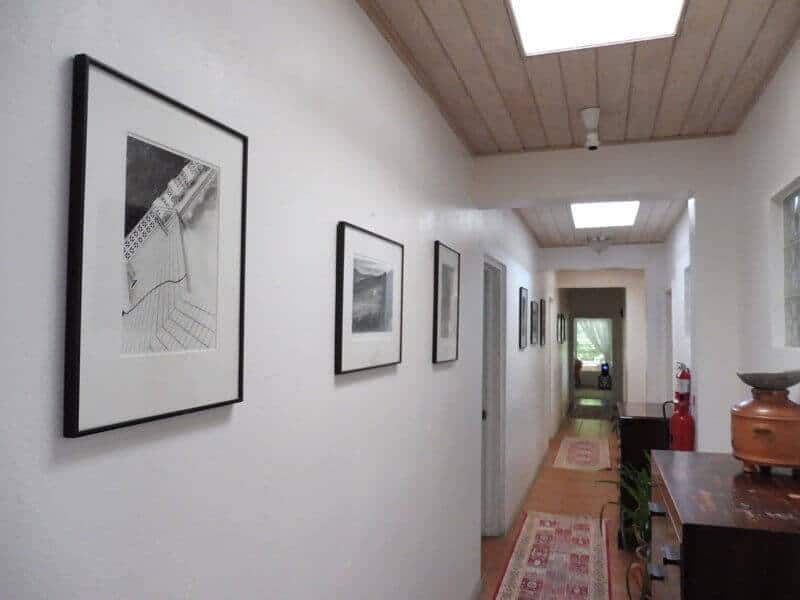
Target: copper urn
765,430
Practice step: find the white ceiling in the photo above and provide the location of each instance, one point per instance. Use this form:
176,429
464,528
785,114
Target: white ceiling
551,222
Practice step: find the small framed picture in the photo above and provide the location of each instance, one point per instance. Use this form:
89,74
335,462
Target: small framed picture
446,302
369,300
155,276
534,323
562,328
542,322
523,318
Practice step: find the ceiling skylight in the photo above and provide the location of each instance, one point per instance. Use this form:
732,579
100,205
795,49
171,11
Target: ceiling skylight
594,215
547,26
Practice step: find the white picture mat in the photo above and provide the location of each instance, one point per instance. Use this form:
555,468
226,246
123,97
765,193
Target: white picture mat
116,388
447,348
362,350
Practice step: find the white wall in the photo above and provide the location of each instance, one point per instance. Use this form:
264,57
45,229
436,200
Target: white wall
363,486
622,266
768,159
704,169
679,258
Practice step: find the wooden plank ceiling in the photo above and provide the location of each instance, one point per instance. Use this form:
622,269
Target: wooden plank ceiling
552,225
701,82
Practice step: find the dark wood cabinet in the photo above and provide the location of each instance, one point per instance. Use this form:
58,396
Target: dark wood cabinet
642,428
726,534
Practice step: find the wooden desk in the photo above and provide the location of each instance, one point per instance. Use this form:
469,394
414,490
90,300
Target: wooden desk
641,428
737,534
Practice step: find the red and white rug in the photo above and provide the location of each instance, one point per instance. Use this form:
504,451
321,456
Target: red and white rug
583,454
557,557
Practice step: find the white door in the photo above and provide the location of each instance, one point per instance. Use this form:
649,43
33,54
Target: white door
493,444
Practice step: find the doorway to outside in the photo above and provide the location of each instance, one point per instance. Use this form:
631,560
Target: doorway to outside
597,350
493,404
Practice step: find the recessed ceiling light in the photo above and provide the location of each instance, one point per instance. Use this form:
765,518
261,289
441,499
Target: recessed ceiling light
547,26
593,215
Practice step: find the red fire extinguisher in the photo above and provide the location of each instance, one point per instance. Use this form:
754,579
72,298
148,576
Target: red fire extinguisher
681,423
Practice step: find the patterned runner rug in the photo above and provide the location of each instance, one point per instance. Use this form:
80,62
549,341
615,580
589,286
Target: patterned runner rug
583,454
557,557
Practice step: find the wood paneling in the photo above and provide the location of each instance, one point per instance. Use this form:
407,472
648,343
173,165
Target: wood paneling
773,40
548,84
552,226
453,29
579,70
700,26
614,68
739,29
412,27
650,64
466,55
493,29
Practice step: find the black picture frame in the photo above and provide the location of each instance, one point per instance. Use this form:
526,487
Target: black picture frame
438,247
341,240
562,328
542,322
82,64
534,319
523,318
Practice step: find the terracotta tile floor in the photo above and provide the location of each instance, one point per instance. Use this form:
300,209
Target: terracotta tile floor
564,491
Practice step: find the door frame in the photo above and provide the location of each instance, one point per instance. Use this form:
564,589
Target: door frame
493,429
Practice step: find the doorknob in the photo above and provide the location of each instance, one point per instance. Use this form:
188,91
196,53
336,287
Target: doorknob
483,415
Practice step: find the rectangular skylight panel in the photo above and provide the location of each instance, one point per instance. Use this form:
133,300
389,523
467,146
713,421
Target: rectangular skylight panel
594,215
547,26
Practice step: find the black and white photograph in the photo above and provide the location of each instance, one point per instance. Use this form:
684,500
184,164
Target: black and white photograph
369,300
372,295
523,318
446,302
534,322
155,320
170,251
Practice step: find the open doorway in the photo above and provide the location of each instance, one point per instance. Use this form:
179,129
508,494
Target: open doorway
493,414
596,351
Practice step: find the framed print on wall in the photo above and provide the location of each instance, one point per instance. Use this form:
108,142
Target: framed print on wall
446,302
534,323
542,322
369,300
155,275
523,318
563,328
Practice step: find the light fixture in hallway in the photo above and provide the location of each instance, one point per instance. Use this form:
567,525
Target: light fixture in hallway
598,243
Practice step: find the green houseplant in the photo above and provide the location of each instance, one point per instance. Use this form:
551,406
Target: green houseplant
637,483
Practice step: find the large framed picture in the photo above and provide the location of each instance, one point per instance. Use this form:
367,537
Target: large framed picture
446,302
523,318
534,323
155,275
369,300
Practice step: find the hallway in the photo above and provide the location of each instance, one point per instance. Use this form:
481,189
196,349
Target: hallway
563,491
